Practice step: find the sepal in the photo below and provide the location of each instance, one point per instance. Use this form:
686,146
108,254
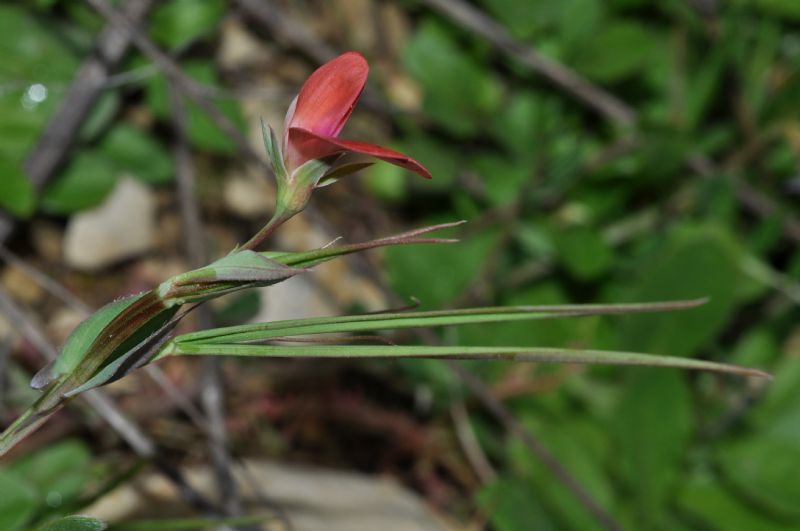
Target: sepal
274,153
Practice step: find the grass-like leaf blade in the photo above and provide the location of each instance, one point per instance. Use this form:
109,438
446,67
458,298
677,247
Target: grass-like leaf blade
527,354
400,320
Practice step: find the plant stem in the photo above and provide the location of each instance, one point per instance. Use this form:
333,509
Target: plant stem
278,218
30,420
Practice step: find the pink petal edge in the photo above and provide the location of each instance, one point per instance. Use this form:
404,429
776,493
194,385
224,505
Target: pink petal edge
310,145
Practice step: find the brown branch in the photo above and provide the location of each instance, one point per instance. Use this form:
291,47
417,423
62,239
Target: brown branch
48,283
53,287
5,354
179,398
761,205
62,130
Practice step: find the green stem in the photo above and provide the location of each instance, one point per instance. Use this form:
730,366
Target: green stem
31,419
317,256
280,216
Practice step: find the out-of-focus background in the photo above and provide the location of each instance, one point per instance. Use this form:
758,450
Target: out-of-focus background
602,151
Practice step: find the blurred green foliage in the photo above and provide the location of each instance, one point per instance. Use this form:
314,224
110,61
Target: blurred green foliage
565,207
44,485
656,449
43,54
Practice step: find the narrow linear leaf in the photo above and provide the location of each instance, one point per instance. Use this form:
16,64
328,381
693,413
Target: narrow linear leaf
29,421
527,354
398,320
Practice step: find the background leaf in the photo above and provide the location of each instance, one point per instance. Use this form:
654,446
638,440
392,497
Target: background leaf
652,429
84,183
16,192
132,151
692,262
178,22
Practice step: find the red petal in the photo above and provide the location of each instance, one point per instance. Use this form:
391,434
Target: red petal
328,96
310,145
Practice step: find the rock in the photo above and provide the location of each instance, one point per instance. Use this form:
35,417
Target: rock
396,29
248,196
292,299
21,285
358,17
404,92
123,226
47,240
313,499
62,323
239,49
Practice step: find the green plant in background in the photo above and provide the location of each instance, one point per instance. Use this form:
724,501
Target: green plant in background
133,331
580,206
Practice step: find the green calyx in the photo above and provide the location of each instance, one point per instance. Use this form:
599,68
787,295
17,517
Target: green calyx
273,148
294,190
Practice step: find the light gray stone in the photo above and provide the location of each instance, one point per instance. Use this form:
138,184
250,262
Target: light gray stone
312,499
121,227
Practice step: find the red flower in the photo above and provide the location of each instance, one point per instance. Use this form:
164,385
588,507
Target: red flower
317,115
310,154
